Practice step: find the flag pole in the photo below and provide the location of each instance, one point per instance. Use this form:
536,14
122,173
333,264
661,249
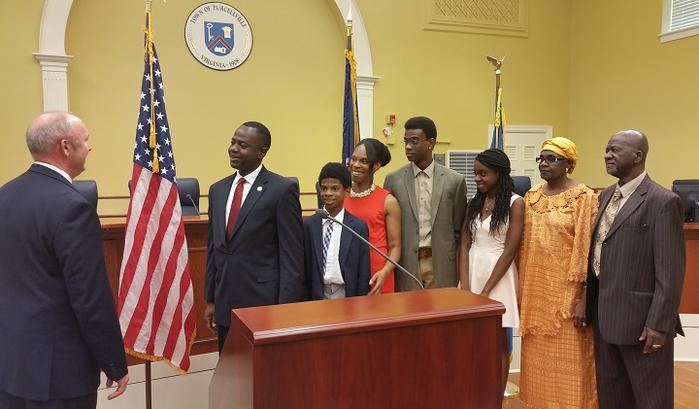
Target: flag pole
354,76
511,389
149,386
149,49
154,165
497,66
350,116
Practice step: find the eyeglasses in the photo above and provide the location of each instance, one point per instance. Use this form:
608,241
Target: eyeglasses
413,141
550,159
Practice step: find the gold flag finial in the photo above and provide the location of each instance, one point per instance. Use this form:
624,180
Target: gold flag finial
152,140
497,64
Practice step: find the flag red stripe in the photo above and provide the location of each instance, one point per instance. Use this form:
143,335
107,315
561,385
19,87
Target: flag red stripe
189,325
144,300
172,336
168,280
135,320
127,276
139,233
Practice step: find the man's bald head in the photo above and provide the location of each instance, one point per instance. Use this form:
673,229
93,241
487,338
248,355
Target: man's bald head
46,131
60,139
636,140
625,156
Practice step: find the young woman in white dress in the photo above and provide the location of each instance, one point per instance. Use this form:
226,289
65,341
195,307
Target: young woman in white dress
490,239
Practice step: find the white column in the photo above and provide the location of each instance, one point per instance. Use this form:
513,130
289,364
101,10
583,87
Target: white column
54,73
52,55
365,105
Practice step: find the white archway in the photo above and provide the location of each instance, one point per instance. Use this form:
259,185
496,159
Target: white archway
54,61
52,54
365,71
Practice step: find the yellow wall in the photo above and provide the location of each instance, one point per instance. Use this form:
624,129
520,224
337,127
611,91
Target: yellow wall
445,75
20,82
622,77
292,82
587,68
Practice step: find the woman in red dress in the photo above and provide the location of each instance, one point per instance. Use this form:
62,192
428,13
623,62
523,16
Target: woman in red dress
378,208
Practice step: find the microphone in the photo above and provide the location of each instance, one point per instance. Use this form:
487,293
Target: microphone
188,196
324,214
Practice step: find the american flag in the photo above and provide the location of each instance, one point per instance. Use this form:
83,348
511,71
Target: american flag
156,303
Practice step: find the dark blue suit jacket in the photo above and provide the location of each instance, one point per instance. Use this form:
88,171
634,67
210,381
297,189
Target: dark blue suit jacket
262,264
354,256
58,322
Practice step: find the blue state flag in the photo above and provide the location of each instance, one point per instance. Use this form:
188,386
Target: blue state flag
350,119
498,139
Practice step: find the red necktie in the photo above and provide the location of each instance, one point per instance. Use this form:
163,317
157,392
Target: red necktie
235,208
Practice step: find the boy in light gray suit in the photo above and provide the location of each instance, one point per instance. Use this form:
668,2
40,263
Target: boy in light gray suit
432,200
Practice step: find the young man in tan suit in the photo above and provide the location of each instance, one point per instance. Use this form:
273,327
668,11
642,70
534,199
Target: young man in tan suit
432,200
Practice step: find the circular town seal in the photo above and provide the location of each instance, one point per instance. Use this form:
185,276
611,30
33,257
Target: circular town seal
218,36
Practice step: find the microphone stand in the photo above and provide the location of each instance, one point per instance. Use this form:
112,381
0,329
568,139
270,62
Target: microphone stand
188,196
323,213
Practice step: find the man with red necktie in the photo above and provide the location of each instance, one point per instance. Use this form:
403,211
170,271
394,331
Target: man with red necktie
255,246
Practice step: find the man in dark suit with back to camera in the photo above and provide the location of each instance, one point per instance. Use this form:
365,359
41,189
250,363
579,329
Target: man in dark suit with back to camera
58,322
255,246
634,284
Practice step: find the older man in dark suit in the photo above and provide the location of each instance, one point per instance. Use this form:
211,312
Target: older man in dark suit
255,247
635,281
58,322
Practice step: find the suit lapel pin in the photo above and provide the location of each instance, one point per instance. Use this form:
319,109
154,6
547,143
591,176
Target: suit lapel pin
259,188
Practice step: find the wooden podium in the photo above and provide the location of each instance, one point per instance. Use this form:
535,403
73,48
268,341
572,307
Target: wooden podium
423,349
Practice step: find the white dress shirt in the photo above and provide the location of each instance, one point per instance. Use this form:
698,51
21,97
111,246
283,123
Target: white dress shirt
333,273
55,169
630,187
249,181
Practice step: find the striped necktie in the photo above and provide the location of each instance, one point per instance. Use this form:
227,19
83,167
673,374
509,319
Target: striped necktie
604,225
327,235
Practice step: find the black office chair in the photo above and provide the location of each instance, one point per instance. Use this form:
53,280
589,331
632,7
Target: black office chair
87,188
189,196
295,180
188,189
522,184
320,199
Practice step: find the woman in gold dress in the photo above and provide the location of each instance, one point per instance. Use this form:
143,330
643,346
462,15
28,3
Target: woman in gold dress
558,362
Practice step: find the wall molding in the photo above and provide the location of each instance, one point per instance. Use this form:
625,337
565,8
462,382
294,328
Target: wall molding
491,17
